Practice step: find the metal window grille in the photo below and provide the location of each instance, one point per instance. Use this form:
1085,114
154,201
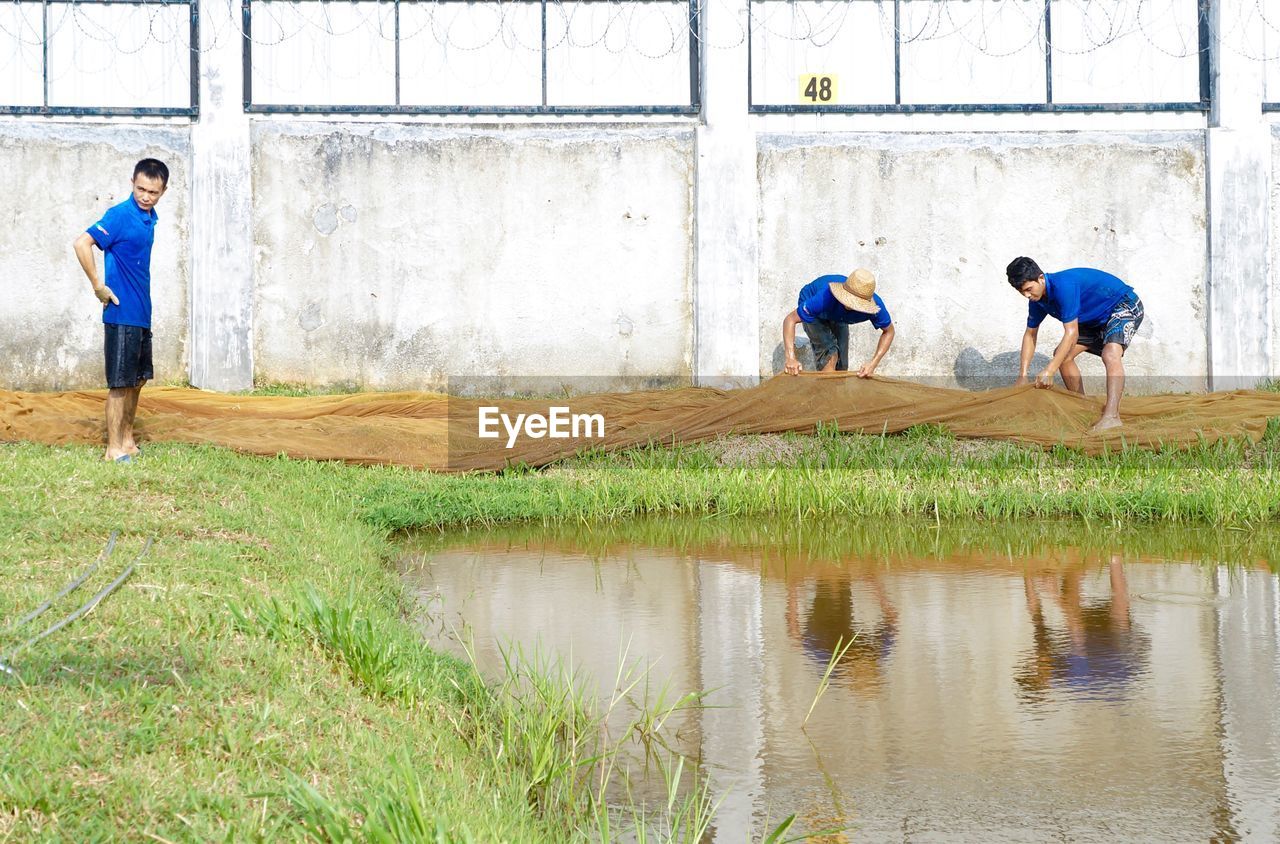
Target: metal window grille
402,104
1263,44
893,100
61,22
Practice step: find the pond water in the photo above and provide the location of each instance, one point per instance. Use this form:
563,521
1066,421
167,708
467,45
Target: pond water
1003,684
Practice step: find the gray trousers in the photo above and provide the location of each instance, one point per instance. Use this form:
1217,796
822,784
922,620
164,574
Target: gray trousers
828,339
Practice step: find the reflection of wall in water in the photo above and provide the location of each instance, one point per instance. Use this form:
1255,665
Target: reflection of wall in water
569,605
730,646
1248,637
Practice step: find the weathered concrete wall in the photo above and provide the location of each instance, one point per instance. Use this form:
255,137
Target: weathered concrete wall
222,213
399,256
726,331
1239,192
380,254
59,179
1273,279
1239,181
938,217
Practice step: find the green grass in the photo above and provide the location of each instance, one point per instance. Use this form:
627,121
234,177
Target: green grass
922,473
257,666
284,388
260,677
847,540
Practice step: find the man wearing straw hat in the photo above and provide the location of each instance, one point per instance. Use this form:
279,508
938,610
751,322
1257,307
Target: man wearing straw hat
826,307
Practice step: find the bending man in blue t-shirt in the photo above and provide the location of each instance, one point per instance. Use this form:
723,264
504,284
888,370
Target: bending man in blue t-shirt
827,306
125,234
1099,315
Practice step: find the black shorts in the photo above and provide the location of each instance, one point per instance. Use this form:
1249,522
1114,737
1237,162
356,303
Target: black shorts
128,354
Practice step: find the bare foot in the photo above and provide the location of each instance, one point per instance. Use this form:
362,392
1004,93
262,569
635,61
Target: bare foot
114,454
1105,423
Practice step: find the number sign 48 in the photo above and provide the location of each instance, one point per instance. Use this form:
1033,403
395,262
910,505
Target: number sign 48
818,88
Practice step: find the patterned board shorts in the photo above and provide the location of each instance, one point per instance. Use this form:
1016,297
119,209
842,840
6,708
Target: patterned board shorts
1120,327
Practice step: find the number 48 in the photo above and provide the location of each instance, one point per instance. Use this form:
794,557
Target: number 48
817,88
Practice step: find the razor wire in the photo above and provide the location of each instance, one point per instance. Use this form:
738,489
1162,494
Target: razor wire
631,48
1139,22
947,18
55,53
665,35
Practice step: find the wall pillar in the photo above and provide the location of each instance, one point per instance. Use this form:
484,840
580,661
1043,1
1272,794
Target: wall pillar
221,307
1239,197
726,277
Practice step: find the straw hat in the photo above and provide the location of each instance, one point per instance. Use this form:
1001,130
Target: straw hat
856,292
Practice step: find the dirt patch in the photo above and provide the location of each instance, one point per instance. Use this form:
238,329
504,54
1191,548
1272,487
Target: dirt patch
29,820
975,449
1260,456
238,537
84,778
780,450
755,450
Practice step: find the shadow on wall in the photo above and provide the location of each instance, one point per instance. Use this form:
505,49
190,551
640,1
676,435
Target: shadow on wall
972,371
975,372
804,354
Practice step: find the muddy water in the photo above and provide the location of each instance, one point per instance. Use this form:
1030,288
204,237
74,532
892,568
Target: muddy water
1002,685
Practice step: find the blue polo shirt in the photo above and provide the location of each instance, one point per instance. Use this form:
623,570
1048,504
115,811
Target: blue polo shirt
816,301
125,234
1079,294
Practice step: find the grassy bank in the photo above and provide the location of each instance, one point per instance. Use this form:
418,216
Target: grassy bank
258,678
923,472
781,544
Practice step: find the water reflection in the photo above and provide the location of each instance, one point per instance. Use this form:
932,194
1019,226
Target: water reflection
831,626
1095,650
1007,685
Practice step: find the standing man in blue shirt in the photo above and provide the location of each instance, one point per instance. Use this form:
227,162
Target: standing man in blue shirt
1099,315
125,234
826,307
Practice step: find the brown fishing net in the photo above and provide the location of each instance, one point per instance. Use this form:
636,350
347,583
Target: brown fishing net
442,433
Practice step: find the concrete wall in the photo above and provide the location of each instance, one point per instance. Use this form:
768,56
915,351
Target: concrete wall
399,252
396,256
58,180
938,217
399,256
1273,280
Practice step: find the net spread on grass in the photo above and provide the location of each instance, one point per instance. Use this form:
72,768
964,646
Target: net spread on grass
444,433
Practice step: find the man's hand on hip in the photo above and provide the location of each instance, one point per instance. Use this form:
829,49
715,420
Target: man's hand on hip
105,296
